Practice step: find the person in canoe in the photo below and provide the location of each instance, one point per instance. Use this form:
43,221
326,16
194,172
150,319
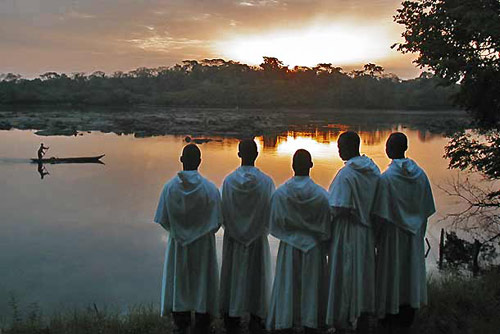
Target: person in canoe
41,151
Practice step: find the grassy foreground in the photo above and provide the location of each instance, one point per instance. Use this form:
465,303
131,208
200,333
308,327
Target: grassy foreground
462,305
457,304
140,319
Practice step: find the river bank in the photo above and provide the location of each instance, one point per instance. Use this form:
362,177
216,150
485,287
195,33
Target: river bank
457,304
150,121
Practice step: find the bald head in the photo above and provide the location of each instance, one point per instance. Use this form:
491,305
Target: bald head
191,157
348,144
302,162
247,151
396,145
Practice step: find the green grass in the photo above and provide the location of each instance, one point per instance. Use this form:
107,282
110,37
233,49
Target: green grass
464,305
139,319
457,304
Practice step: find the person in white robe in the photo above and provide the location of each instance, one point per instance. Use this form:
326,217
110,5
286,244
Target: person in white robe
190,210
351,257
403,204
300,219
246,258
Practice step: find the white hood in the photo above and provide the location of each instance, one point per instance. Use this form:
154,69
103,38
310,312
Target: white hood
300,213
404,196
189,207
246,197
406,169
190,181
363,164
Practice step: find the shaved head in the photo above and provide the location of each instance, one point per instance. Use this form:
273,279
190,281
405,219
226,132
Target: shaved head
191,157
247,151
396,145
348,144
302,162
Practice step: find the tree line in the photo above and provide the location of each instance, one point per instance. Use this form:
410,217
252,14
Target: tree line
221,83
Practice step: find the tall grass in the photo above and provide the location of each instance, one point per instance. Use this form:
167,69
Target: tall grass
457,304
139,319
460,304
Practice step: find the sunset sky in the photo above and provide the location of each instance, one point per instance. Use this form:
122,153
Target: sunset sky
37,36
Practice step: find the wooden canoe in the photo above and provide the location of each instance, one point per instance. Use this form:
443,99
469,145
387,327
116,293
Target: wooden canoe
76,160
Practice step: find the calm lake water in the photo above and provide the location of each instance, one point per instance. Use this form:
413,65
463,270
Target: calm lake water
84,233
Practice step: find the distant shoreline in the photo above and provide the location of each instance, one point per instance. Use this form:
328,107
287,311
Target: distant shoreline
145,120
38,105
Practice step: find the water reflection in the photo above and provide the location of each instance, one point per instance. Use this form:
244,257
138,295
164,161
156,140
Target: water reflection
88,235
42,170
425,136
289,144
323,143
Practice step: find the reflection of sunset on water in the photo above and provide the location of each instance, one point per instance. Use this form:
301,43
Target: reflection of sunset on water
289,144
321,144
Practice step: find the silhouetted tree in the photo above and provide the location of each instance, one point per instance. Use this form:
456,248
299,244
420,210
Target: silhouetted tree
460,42
373,70
49,76
97,75
11,77
272,64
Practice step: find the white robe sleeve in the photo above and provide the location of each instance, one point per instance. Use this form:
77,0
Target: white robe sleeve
161,216
339,195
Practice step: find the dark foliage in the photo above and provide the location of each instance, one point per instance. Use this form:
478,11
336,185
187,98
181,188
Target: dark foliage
477,151
460,41
459,304
460,253
220,83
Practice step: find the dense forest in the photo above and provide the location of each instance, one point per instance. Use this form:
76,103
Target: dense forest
220,83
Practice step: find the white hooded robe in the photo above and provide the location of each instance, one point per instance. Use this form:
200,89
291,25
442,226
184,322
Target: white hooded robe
351,258
190,210
300,218
403,204
246,259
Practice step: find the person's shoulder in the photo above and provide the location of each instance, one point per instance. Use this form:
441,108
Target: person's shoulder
422,171
424,176
265,178
169,184
343,174
209,184
321,191
172,181
229,177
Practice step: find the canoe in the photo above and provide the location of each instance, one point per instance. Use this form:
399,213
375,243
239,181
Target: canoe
76,160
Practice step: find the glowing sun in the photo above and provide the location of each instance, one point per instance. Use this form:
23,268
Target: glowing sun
339,44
